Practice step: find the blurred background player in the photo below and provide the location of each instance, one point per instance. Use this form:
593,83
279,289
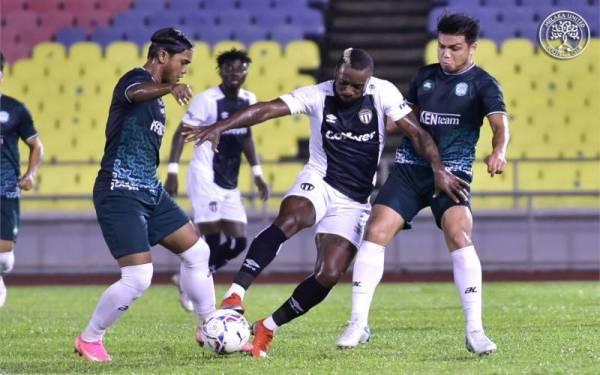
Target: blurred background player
347,120
212,182
15,123
132,207
452,98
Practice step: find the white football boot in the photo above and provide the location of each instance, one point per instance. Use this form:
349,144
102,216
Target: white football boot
477,342
354,334
2,293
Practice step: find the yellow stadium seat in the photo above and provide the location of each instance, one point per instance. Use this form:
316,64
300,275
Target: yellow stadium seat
265,52
122,51
224,46
26,70
303,54
49,52
85,52
486,53
431,52
517,49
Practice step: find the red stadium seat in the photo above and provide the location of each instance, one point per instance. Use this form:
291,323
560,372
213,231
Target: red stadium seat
81,7
89,21
115,6
56,20
10,6
43,6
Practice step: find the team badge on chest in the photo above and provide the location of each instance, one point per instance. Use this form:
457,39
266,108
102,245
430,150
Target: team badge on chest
461,89
4,116
365,115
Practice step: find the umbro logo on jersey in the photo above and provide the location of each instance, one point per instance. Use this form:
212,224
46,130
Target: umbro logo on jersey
427,85
306,186
331,119
365,115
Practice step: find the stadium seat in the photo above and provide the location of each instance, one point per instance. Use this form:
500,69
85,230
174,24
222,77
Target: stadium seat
11,6
49,52
303,54
44,6
286,34
258,5
92,20
70,35
226,45
265,52
56,20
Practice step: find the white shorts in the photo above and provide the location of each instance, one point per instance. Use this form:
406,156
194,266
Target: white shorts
335,212
210,202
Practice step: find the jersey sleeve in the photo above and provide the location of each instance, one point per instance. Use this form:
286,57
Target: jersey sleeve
491,97
251,99
394,105
411,95
25,128
130,79
198,113
304,100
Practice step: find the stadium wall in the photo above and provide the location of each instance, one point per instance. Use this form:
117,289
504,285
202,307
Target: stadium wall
515,240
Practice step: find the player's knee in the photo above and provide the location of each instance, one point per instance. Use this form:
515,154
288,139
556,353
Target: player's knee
137,277
196,256
7,261
378,233
236,246
458,238
329,276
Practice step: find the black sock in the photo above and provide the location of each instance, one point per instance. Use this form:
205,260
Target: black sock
307,294
262,252
228,250
214,241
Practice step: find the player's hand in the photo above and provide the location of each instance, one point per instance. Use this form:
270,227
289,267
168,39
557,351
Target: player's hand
171,185
201,134
454,187
263,188
26,182
496,162
182,93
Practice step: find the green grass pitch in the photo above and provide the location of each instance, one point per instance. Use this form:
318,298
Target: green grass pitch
540,328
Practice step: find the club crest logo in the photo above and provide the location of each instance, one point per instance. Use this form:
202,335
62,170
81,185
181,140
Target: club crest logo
564,34
365,115
461,89
428,85
224,115
212,206
306,186
4,116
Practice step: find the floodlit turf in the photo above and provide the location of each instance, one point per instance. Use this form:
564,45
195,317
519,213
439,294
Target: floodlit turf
540,328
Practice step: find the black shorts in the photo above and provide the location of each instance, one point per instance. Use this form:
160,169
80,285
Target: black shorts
9,219
133,221
409,188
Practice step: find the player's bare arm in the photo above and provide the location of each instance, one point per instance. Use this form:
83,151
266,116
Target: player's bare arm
424,144
36,155
177,143
496,161
255,114
250,153
149,90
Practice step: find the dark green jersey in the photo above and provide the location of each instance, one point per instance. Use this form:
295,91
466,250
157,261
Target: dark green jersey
15,123
134,133
452,108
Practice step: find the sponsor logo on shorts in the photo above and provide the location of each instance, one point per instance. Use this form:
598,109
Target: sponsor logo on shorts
306,186
365,116
433,118
564,34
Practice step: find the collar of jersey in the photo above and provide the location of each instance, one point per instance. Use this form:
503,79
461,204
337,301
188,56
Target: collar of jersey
457,74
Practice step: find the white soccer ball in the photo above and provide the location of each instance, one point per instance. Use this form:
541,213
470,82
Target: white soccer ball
225,331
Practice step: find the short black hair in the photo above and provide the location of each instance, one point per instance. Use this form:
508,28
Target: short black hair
232,55
1,62
459,24
171,40
357,58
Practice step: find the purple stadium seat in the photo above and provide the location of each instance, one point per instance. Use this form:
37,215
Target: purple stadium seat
285,34
213,35
577,3
163,19
310,20
139,36
250,34
70,35
114,6
535,3
517,16
218,5
236,19
258,5
185,6
130,19
272,19
149,6
527,31
107,35
497,32
467,3
197,20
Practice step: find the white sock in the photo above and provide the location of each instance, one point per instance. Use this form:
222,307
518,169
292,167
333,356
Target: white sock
196,279
366,275
467,278
2,292
269,323
116,300
237,289
7,261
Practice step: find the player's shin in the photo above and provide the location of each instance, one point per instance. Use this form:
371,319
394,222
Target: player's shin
196,279
467,278
116,300
366,275
307,295
262,251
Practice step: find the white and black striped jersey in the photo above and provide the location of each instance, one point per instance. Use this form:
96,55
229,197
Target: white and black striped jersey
207,108
347,139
